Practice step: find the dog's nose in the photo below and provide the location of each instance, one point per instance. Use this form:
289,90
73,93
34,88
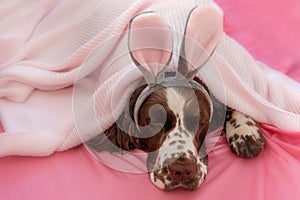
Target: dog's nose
182,170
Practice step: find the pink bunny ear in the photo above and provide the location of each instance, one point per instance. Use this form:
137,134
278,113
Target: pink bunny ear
150,43
202,33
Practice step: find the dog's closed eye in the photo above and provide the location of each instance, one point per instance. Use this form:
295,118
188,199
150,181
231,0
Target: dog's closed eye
191,122
158,114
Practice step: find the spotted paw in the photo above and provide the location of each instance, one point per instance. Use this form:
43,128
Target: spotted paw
243,135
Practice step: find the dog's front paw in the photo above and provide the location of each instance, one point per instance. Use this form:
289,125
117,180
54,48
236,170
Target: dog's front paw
243,135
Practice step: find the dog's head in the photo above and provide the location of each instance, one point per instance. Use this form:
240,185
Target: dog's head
177,119
172,112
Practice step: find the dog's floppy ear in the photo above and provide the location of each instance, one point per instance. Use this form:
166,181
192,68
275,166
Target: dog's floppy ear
202,33
150,44
121,135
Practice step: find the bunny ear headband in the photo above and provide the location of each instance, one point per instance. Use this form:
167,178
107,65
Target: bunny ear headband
151,47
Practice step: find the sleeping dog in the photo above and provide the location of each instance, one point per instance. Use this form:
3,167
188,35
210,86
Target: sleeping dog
169,115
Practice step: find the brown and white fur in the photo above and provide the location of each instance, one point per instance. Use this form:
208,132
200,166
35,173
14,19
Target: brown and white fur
176,153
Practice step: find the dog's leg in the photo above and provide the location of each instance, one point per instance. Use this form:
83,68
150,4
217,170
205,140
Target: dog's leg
243,134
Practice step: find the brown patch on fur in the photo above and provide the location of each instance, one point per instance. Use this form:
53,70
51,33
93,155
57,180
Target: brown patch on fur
182,141
114,139
158,97
204,115
249,123
177,134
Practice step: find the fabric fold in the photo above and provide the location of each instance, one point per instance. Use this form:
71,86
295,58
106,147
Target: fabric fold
69,42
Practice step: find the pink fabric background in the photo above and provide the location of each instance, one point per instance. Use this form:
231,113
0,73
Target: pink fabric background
270,31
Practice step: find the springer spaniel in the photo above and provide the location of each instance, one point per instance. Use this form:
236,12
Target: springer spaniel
170,114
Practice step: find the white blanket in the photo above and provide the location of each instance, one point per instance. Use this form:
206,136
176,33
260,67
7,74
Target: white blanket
43,46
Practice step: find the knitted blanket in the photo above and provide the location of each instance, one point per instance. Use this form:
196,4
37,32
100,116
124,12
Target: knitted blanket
52,53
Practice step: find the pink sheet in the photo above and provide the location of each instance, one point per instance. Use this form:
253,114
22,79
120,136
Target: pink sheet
270,31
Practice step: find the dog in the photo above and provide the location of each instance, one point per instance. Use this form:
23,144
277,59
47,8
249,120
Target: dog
170,118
